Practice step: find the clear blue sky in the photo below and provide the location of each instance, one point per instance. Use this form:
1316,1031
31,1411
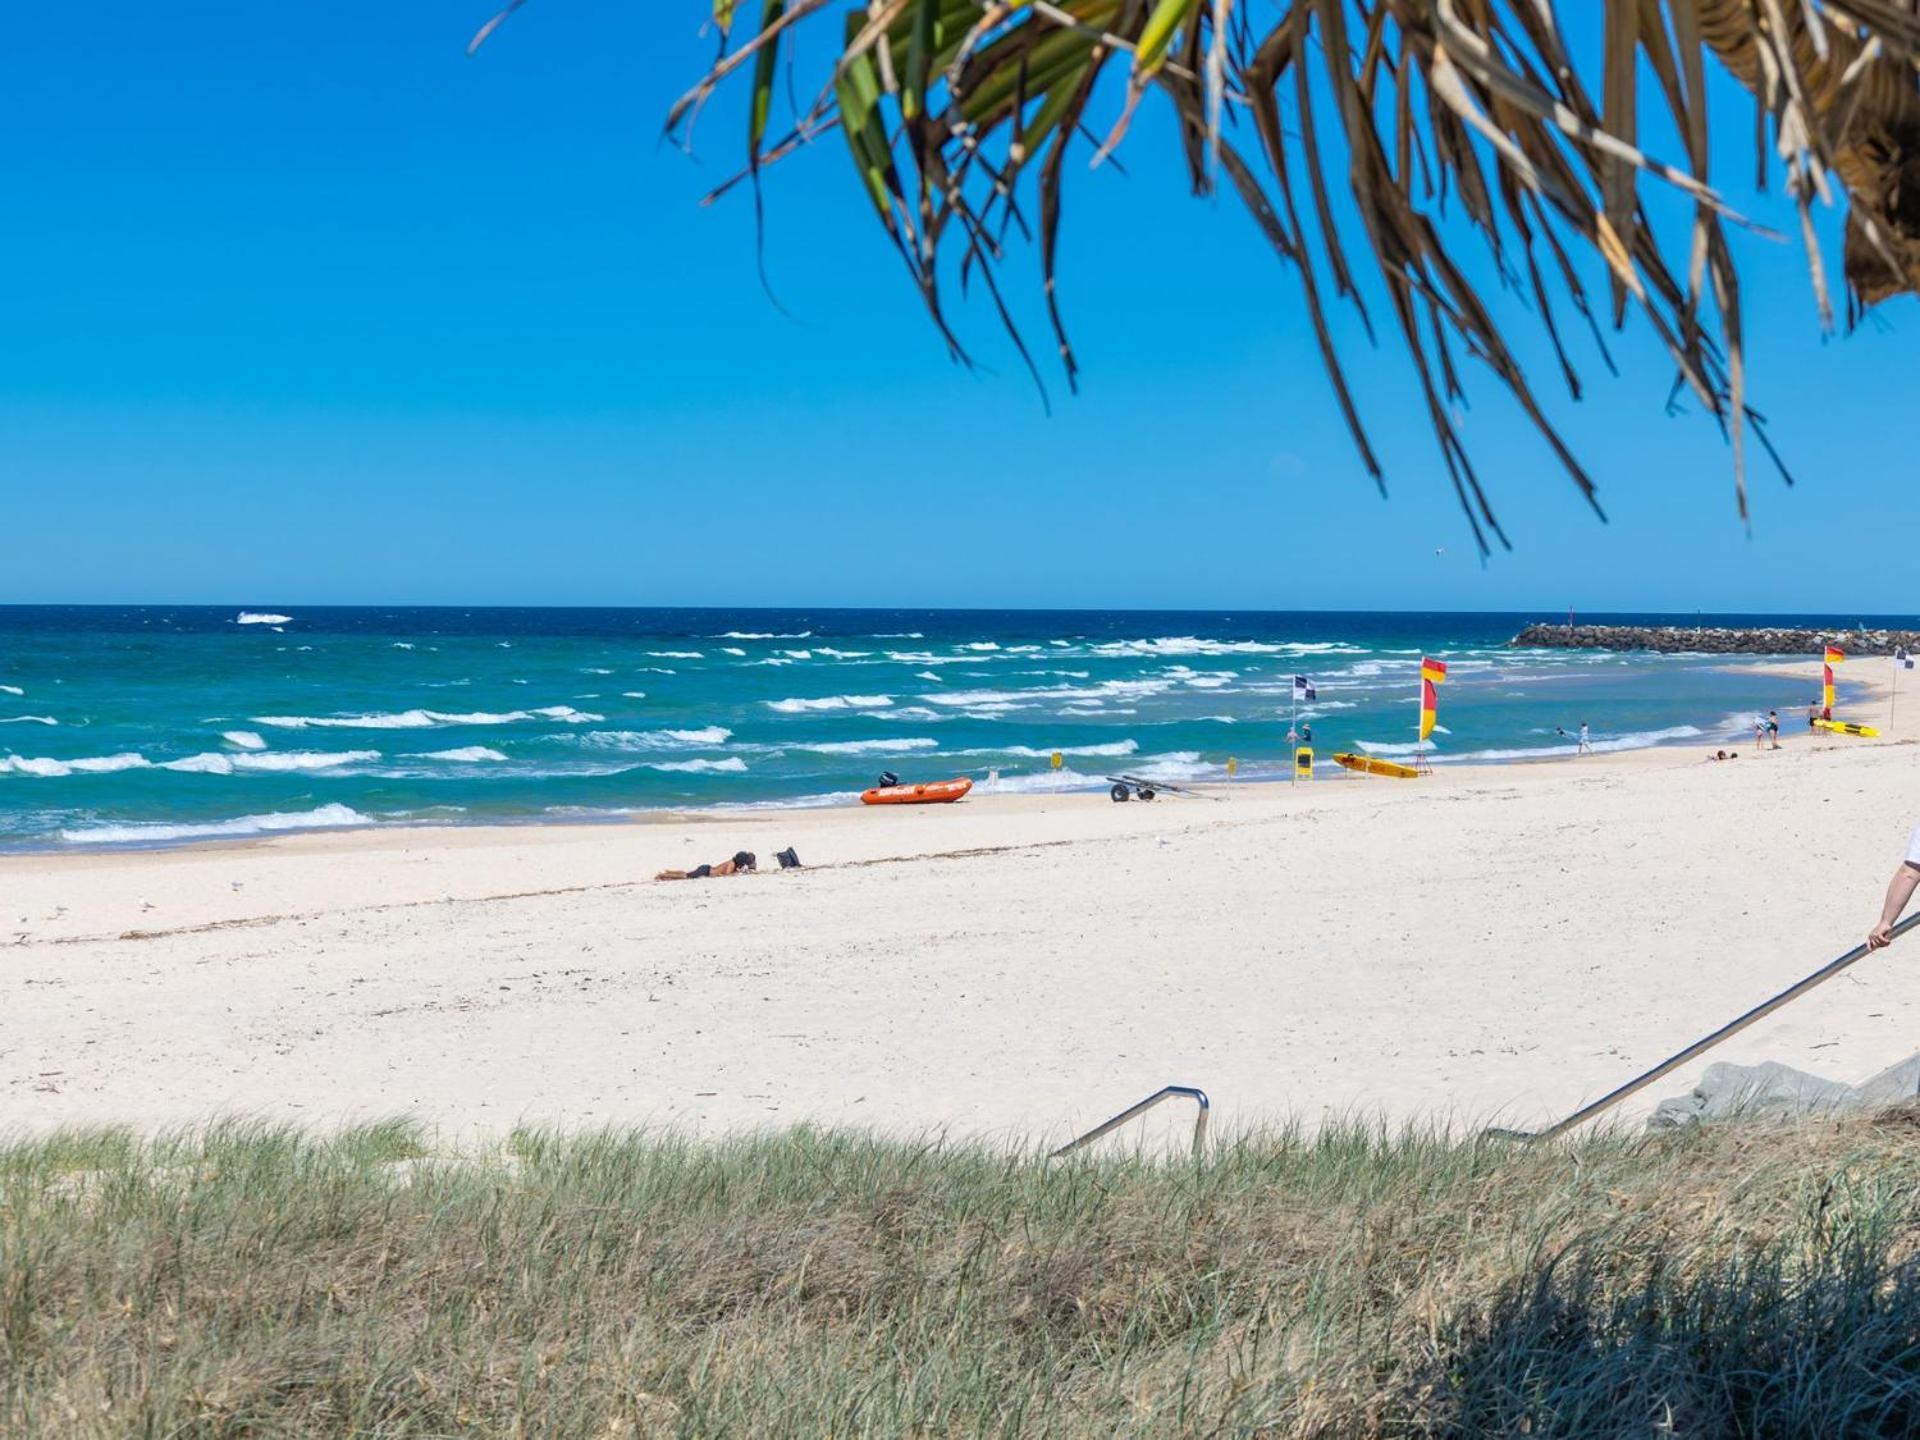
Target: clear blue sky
298,304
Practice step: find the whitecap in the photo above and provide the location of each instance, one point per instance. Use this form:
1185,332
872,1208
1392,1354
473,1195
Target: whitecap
403,645
869,747
28,720
47,768
594,670
425,719
464,755
326,817
655,739
268,762
633,694
762,635
732,765
256,617
671,655
243,740
829,702
731,650
1110,750
11,690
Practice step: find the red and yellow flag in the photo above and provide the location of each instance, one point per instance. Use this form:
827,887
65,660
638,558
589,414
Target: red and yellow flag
1834,657
1432,673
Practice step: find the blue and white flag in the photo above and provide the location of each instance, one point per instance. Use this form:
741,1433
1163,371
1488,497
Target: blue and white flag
1303,689
1901,660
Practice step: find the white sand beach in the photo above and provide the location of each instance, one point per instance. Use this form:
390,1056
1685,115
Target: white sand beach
1498,942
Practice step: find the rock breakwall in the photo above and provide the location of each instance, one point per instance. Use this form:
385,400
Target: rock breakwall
1714,639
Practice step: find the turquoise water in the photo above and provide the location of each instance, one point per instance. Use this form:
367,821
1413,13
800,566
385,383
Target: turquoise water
163,724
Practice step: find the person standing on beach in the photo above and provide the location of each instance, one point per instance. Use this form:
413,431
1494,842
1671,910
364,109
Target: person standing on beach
1773,729
1586,742
1899,892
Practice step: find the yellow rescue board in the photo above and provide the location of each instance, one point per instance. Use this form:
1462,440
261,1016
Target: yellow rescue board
1841,727
1367,765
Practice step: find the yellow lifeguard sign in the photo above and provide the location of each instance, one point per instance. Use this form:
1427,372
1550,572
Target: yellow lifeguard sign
1303,763
1058,760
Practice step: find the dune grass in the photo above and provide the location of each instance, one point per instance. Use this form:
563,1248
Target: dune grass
250,1280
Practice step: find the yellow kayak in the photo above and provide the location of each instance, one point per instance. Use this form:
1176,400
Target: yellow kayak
1841,727
1367,765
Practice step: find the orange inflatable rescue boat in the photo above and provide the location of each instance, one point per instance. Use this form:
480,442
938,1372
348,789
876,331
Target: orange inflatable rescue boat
938,792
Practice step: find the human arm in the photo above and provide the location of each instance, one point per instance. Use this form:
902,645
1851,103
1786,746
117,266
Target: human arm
1899,892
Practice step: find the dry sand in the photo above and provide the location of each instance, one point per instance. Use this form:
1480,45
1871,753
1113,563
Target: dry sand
1504,942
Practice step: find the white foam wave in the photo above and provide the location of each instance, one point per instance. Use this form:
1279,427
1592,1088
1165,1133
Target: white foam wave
798,654
731,650
732,765
1080,695
673,655
1633,740
425,719
11,690
905,712
830,702
243,740
633,694
47,768
463,755
327,817
28,720
256,617
655,739
870,747
403,644
594,670
980,645
1190,645
841,654
268,762
1112,749
762,635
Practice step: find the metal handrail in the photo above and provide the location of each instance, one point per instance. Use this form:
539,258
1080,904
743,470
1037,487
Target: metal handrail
1198,1096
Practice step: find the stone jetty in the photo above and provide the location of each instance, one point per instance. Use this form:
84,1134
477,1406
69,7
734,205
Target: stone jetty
1714,639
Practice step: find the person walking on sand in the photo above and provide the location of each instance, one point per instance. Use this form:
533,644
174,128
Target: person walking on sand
1899,892
1773,729
1586,740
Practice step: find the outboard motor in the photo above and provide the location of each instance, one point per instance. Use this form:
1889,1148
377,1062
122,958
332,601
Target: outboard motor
887,779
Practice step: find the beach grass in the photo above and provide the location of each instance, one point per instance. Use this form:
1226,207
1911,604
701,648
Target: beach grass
247,1279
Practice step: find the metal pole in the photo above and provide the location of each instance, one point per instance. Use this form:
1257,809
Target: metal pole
1701,1046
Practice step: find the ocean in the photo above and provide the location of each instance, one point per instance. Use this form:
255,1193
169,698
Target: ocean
164,724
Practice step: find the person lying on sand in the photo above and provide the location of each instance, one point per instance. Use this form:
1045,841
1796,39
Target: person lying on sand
1722,755
743,862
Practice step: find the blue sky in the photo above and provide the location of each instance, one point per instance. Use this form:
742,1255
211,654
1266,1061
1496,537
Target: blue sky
298,304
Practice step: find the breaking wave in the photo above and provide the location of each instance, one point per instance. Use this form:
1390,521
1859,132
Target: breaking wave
425,719
327,817
732,765
830,702
257,617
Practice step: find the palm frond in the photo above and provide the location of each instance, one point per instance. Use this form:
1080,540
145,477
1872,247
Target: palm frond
944,104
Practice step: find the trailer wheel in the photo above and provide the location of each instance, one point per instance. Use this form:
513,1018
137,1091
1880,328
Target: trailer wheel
1119,793
1146,794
